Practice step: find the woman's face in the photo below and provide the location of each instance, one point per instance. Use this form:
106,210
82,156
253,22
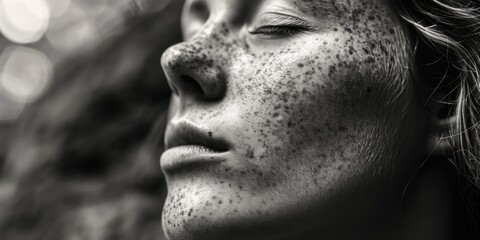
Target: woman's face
288,111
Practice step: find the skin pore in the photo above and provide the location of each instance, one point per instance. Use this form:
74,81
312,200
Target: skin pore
324,127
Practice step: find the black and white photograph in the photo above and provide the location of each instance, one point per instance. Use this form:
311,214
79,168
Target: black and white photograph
239,119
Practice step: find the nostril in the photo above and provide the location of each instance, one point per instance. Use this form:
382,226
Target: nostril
192,85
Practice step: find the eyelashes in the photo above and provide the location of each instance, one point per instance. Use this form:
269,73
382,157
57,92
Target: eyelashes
274,25
278,31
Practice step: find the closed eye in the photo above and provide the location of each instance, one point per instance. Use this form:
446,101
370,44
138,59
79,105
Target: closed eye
278,31
274,25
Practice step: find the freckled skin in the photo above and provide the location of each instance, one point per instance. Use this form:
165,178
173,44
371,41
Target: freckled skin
317,121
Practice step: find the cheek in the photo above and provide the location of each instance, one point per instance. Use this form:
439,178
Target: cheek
311,113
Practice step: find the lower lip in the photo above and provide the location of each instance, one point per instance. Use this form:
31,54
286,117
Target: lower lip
186,156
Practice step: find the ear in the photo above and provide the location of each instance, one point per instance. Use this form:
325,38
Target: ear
442,119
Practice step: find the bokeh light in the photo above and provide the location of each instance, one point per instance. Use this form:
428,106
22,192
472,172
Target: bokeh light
24,73
10,109
72,29
52,29
24,21
58,7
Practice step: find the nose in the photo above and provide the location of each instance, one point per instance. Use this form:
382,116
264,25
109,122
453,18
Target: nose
194,70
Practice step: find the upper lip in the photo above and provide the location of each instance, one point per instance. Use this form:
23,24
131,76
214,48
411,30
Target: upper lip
185,133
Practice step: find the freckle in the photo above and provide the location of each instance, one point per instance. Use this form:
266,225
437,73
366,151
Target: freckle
220,202
190,212
300,65
331,70
335,29
249,154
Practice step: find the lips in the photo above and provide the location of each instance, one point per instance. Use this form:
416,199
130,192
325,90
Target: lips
189,145
186,134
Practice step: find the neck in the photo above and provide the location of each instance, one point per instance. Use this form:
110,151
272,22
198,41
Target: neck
432,206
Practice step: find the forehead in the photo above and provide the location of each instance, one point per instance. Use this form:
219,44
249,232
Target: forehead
316,10
323,6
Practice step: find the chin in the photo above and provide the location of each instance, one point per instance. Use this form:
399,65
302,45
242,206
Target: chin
203,225
195,211
200,211
196,229
219,227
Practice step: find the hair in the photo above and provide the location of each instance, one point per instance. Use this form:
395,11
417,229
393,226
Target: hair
448,31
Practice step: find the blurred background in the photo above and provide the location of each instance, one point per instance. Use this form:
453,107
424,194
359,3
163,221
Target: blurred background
83,103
